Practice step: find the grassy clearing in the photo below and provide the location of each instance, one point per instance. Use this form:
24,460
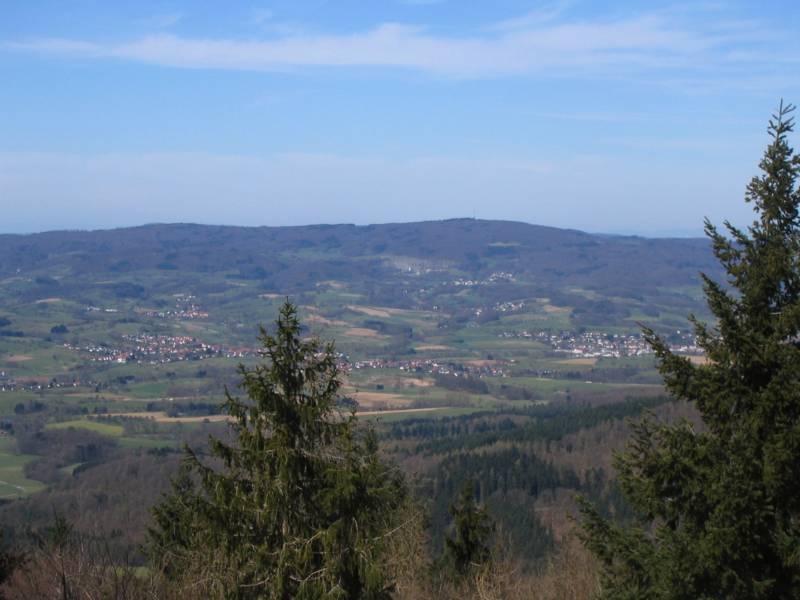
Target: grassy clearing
580,362
159,416
364,332
145,442
13,483
149,390
70,469
91,425
380,399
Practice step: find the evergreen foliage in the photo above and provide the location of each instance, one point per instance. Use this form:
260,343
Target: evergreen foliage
507,481
719,504
299,505
468,548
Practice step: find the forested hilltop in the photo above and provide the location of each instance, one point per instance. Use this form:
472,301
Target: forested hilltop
557,256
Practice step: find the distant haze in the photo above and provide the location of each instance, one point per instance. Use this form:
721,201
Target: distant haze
615,117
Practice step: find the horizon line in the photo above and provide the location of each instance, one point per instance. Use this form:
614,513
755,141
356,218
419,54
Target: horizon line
679,233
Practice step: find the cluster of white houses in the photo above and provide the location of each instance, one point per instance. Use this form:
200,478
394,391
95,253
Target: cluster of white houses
143,348
597,344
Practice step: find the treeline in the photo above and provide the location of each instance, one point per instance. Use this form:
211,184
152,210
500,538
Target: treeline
60,448
447,426
548,423
508,482
461,383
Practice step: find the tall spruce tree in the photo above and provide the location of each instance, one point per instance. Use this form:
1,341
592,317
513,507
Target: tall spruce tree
468,548
719,504
298,504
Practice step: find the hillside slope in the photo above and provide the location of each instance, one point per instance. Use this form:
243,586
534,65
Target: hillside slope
297,257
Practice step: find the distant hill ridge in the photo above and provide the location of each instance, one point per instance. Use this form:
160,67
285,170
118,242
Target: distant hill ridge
552,256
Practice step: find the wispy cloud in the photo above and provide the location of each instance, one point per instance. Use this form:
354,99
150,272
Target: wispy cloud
538,43
161,20
260,16
534,18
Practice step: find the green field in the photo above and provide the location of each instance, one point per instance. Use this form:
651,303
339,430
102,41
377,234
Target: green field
91,425
13,483
141,441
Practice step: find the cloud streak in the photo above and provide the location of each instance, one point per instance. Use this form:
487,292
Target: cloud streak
162,20
527,45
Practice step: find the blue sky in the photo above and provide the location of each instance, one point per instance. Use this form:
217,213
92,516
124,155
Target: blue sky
601,116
